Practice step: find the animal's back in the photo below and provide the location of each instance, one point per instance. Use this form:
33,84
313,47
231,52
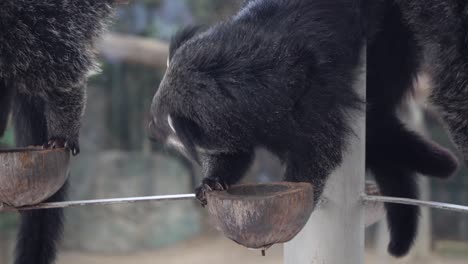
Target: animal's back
46,43
312,20
45,54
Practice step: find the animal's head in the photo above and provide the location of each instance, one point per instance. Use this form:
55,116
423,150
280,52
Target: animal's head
162,127
225,90
182,109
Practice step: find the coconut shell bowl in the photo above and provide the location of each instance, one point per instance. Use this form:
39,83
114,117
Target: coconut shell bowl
260,215
30,175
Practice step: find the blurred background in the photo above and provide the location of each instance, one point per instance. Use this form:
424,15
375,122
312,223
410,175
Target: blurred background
117,160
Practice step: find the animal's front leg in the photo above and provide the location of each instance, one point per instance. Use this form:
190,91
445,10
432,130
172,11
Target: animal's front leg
64,108
222,170
313,164
209,185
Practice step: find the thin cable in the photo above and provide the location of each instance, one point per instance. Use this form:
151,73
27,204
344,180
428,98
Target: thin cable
437,205
159,198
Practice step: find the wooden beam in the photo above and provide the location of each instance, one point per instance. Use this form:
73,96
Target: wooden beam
132,49
335,231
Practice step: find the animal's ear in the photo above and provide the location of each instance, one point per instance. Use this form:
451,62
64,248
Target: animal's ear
181,36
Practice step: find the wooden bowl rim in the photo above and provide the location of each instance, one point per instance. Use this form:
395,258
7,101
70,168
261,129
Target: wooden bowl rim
291,188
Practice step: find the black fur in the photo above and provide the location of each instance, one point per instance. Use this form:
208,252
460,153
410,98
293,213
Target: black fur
181,37
402,219
46,53
279,75
394,153
441,29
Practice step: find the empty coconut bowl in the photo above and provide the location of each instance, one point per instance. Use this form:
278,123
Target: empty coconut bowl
260,215
31,175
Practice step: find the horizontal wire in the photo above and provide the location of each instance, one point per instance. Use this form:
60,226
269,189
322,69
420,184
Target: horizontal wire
6,208
176,197
437,205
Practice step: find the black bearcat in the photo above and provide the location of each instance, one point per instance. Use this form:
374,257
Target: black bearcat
46,53
279,75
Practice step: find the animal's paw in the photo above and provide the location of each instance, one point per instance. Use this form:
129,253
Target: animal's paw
208,185
56,142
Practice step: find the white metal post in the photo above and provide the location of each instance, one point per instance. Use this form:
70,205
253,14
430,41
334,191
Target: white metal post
335,231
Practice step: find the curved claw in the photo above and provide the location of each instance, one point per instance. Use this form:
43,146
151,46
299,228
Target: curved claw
54,143
209,185
75,151
200,193
71,145
218,186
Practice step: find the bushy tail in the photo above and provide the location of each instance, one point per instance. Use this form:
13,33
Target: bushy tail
394,154
39,230
402,219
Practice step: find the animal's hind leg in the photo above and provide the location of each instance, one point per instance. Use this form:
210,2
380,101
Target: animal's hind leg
389,140
450,95
440,27
221,170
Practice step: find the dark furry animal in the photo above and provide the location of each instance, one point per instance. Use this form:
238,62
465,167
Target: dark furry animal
394,153
279,75
441,30
45,56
